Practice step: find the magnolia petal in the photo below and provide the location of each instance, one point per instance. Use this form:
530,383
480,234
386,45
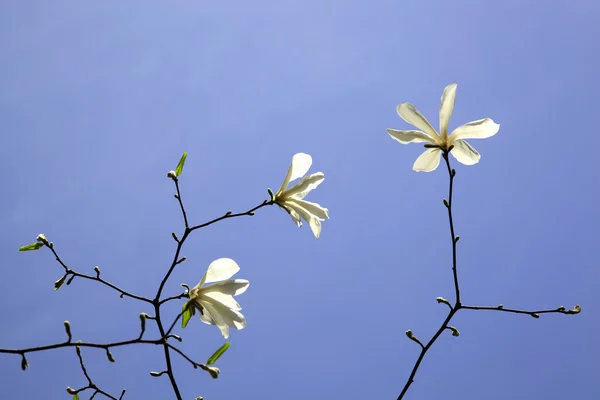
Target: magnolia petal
296,218
313,222
480,129
225,299
231,287
406,137
410,114
313,208
216,318
447,107
305,186
225,317
205,315
428,161
220,269
300,165
293,214
465,153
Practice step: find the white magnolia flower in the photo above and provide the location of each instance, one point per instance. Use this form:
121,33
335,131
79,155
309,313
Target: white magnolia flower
292,199
462,151
215,302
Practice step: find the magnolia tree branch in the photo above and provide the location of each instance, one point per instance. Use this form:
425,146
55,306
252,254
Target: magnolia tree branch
177,260
70,275
157,302
457,304
91,385
534,314
229,214
105,346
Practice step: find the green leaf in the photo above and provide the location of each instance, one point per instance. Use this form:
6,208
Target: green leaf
179,168
218,353
76,396
188,312
32,246
59,283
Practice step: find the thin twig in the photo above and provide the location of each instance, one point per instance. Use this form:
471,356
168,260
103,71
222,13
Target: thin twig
69,271
91,384
173,324
166,352
182,354
457,305
185,220
179,296
81,344
229,214
559,310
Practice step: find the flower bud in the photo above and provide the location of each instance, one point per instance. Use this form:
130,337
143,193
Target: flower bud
109,356
42,238
143,321
213,371
172,175
455,331
443,300
68,329
412,337
70,390
576,309
534,315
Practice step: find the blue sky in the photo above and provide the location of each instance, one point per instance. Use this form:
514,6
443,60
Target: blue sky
99,99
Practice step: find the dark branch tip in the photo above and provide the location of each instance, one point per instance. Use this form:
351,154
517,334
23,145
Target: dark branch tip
24,364
109,355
